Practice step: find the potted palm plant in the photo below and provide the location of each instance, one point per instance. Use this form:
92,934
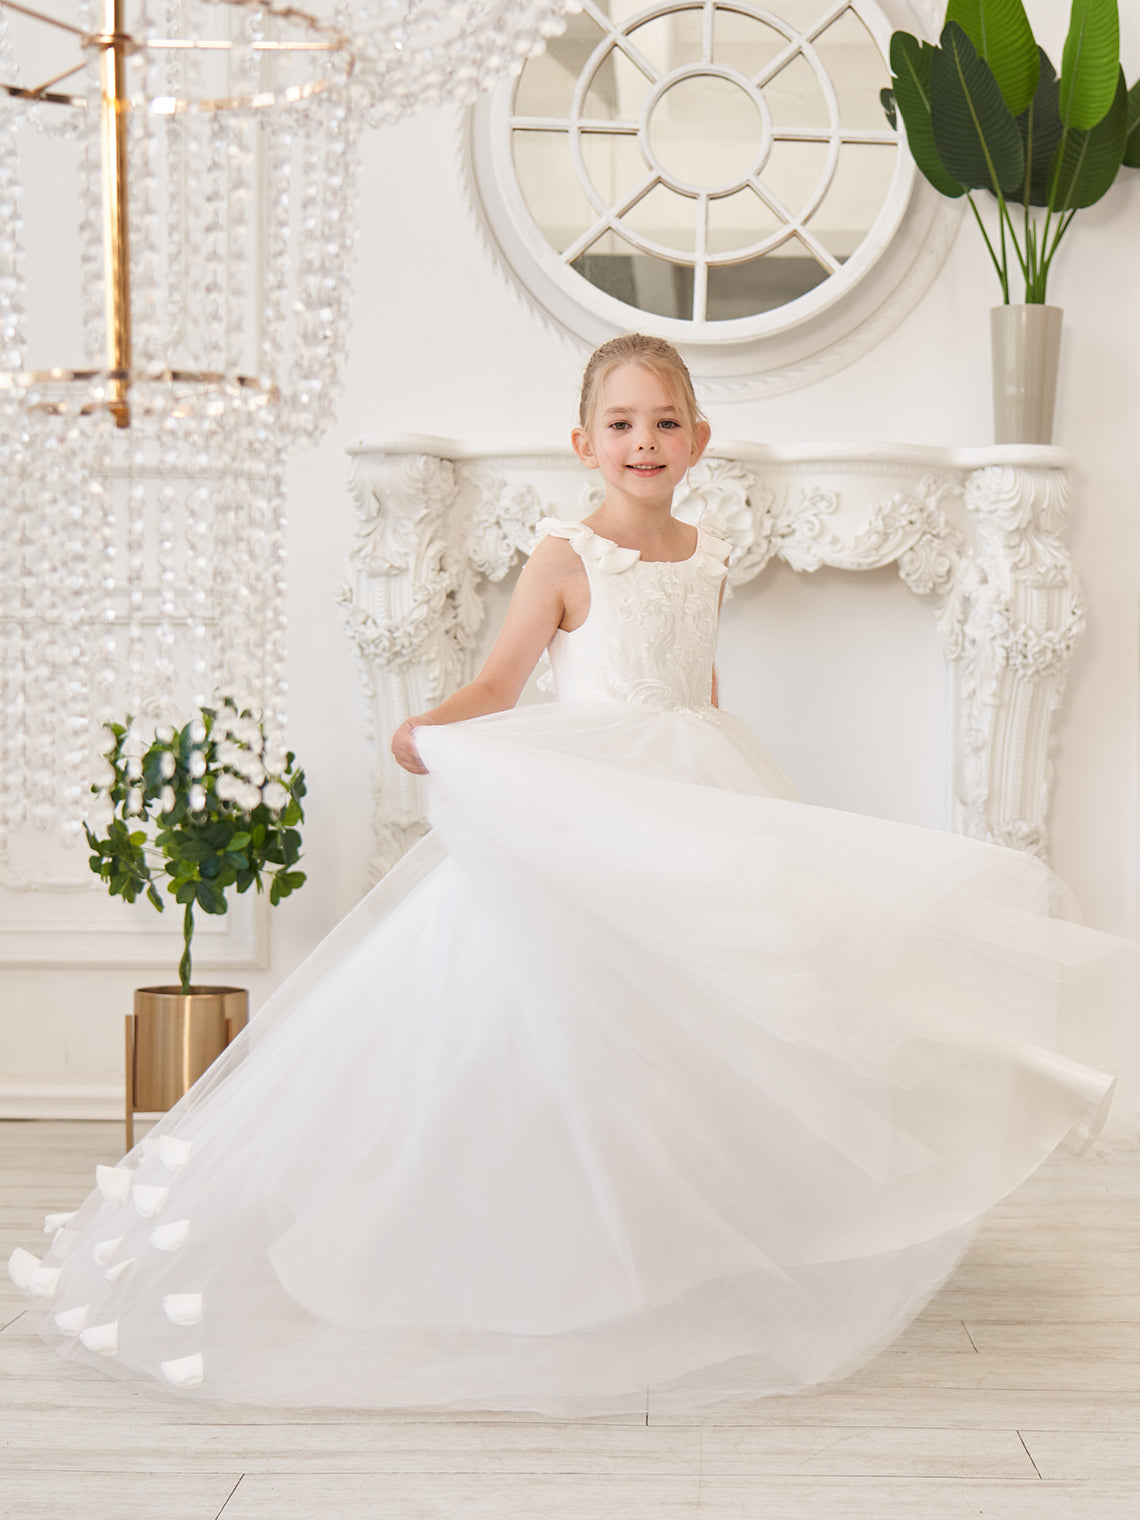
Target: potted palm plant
199,807
985,109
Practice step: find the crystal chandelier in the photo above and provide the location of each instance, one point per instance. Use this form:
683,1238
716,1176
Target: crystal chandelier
412,54
142,521
142,530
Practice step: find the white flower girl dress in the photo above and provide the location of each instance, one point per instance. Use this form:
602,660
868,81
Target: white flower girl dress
636,1079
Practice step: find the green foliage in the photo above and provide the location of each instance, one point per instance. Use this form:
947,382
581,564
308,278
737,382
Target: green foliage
196,806
986,110
1001,34
975,133
910,66
1089,63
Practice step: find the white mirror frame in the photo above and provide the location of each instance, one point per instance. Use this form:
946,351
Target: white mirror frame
781,350
976,531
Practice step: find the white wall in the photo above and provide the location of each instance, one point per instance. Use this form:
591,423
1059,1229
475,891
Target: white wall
440,345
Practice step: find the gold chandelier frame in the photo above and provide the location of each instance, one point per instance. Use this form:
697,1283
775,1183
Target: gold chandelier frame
116,45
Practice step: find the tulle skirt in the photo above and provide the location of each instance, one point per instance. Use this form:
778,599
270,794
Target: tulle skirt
637,1080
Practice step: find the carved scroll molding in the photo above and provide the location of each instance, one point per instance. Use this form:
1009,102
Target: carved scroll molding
977,532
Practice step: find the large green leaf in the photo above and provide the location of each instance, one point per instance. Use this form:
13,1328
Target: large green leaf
910,65
1090,63
1041,128
1132,151
1088,162
1002,35
974,130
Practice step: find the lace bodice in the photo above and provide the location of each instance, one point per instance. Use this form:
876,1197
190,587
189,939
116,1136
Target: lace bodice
650,635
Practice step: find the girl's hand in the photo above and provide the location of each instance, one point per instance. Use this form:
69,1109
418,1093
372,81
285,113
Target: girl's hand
404,749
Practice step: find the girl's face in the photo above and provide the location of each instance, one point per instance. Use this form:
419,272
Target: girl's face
638,437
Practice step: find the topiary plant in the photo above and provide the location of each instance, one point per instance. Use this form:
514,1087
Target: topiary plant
197,806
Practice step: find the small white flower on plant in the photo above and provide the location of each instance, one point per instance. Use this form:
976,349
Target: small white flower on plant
166,800
227,787
250,796
248,732
255,772
197,764
168,764
135,800
197,798
275,796
164,733
134,767
228,753
197,731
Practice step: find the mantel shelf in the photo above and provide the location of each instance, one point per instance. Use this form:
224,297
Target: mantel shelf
923,455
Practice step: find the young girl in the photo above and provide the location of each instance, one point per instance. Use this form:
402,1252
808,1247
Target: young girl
638,1083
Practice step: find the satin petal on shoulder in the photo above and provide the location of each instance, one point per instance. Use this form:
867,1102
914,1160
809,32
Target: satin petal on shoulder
712,554
611,557
607,555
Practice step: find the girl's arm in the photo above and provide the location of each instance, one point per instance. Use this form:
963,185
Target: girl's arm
536,609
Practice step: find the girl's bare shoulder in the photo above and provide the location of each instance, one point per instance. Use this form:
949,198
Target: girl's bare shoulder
553,559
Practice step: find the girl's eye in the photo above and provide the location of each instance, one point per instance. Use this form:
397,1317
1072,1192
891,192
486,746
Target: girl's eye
668,422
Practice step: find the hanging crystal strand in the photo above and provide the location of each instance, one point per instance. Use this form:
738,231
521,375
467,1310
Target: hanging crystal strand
17,582
277,144
240,164
258,590
323,329
169,82
214,247
221,588
306,421
56,562
143,79
135,580
91,518
17,588
161,693
199,553
91,270
275,703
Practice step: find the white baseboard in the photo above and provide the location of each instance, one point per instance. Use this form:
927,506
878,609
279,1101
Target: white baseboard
50,1098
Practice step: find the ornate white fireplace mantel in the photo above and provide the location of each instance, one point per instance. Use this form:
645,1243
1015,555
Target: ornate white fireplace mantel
977,531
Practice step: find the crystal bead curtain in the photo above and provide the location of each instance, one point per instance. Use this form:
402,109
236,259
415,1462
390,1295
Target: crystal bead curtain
142,565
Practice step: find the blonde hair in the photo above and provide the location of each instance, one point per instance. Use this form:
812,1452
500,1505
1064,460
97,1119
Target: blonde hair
653,354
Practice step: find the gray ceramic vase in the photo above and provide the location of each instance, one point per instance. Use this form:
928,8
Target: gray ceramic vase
1026,343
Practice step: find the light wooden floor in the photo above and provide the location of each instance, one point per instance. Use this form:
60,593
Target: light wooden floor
1015,1397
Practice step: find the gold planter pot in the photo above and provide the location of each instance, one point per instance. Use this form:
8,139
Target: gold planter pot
172,1037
